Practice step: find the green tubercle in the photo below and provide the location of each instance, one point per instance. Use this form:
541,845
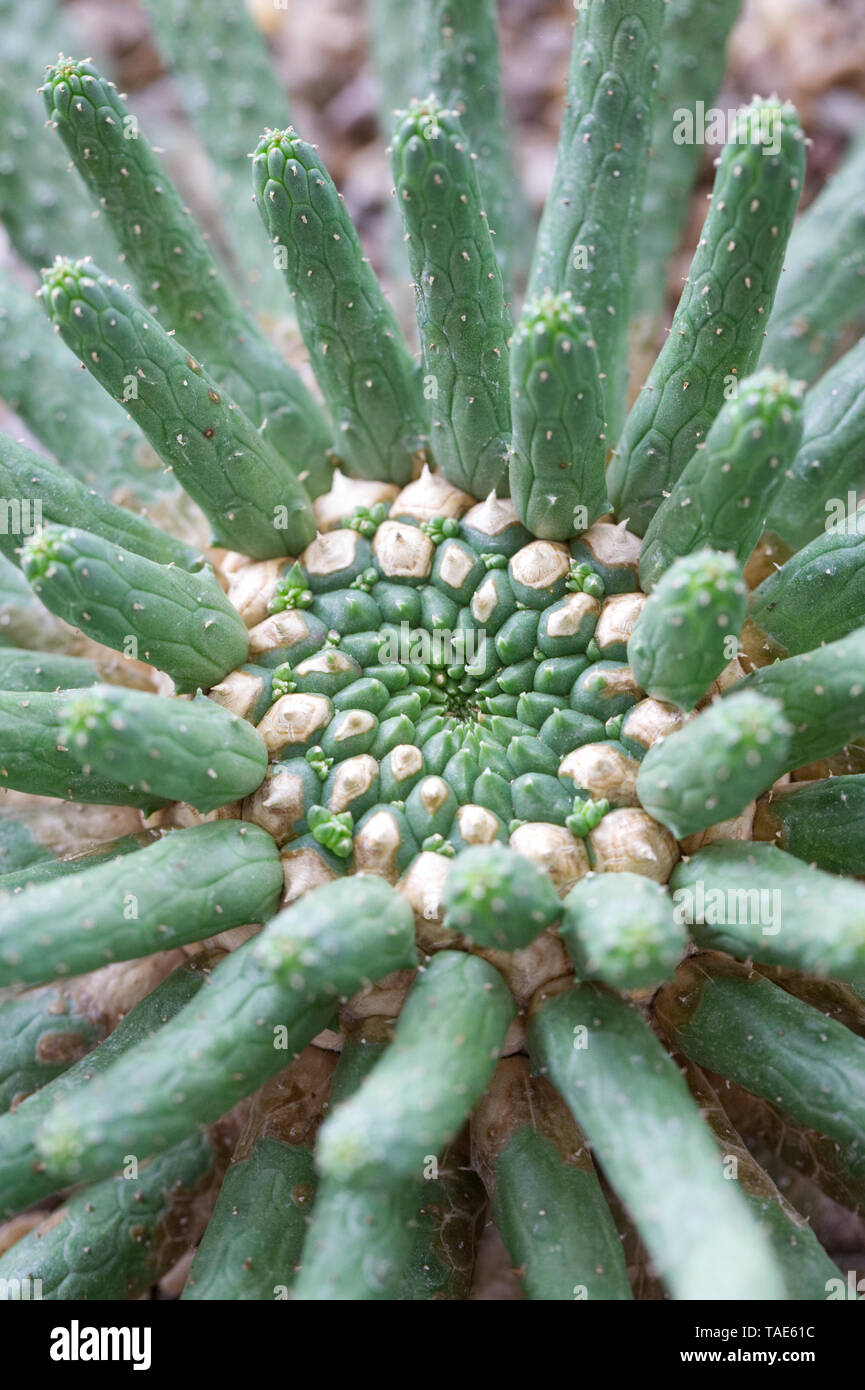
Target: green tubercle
711,768
496,898
689,629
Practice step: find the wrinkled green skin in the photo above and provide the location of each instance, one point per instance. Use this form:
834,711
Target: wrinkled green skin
556,1224
687,632
595,206
462,315
724,494
21,1182
228,1041
253,1240
711,768
821,694
693,56
822,822
169,894
250,496
784,912
819,594
828,465
173,267
42,1034
717,330
559,441
66,502
107,1242
460,1008
823,288
362,362
621,929
497,899
628,1097
181,623
728,1020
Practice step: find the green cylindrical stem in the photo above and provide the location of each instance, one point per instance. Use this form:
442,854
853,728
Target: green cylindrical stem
71,415
547,1200
43,1032
21,1181
729,1019
173,267
213,50
822,695
621,928
724,494
693,55
818,595
461,69
497,898
559,450
361,359
253,1239
266,1001
181,623
359,1238
462,315
816,490
251,498
42,207
195,752
823,289
803,1262
189,885
47,869
447,1039
36,491
821,822
688,631
628,1096
756,901
117,1238
718,327
33,757
24,670
711,768
587,241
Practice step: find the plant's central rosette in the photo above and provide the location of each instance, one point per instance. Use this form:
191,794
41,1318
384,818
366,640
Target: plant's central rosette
428,676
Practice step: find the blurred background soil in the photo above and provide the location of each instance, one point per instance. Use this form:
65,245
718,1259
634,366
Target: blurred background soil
809,51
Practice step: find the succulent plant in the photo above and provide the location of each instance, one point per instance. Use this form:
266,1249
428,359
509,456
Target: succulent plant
480,853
